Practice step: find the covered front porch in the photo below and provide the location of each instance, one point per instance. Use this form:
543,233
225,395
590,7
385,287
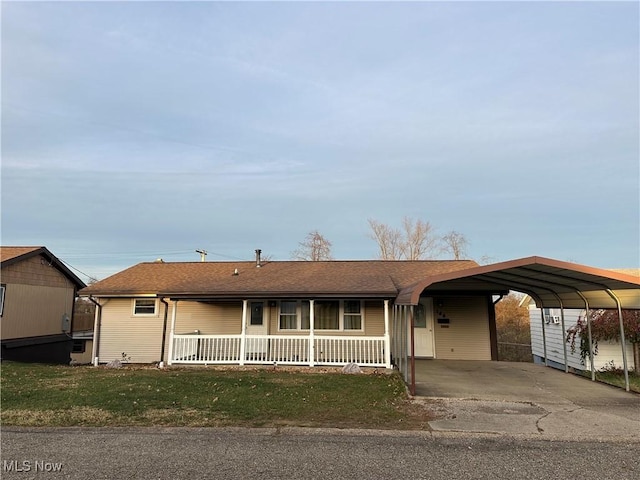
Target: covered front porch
309,344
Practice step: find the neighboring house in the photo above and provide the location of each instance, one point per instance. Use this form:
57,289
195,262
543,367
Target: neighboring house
36,305
609,352
290,312
82,334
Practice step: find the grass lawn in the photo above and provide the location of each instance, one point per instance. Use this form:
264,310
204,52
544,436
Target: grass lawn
617,378
51,395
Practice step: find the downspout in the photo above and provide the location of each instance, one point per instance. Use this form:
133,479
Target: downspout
96,331
164,332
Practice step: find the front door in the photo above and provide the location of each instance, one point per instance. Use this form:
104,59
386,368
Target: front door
256,325
423,331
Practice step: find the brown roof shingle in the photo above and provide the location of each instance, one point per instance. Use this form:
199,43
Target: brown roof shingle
273,279
9,253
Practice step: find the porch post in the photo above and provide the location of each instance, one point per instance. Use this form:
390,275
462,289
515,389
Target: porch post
172,332
243,332
312,341
387,337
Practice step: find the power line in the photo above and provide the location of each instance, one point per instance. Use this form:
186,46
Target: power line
90,277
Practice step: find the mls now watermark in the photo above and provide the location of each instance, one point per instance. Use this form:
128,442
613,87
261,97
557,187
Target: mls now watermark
30,466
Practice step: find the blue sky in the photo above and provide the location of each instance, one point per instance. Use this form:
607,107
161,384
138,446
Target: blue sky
138,130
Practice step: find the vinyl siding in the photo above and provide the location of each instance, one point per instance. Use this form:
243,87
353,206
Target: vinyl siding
37,296
209,319
140,337
85,357
607,351
467,336
34,310
35,271
137,337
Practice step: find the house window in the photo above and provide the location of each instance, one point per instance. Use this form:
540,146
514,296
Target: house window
145,306
3,289
328,315
288,315
78,346
352,318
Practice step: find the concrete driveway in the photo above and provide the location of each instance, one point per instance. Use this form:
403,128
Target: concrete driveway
523,398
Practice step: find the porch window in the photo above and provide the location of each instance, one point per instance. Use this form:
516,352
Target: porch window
327,315
294,315
305,308
288,315
352,315
145,306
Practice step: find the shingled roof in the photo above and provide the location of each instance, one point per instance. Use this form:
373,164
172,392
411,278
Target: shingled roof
208,280
12,254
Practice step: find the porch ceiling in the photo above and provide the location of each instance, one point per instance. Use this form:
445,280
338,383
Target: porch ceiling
551,283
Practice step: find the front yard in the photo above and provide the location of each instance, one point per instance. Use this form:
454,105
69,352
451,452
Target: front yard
47,395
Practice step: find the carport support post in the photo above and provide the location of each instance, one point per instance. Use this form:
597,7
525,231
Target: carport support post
586,309
623,340
564,332
405,344
172,332
243,332
412,387
387,340
564,338
544,338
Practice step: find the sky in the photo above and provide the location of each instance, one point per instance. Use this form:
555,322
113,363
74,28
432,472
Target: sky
133,131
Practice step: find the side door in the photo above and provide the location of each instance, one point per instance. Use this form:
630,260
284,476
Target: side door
257,325
423,332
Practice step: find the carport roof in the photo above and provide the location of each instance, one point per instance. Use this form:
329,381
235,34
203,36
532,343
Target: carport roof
551,283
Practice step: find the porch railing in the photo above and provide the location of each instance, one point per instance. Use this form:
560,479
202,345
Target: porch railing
278,349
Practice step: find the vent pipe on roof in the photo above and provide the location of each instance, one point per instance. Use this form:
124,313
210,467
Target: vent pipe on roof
258,261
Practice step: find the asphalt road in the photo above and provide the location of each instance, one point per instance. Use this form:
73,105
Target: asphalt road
304,454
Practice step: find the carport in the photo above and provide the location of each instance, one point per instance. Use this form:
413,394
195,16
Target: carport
550,283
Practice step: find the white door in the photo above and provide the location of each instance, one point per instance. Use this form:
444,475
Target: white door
256,325
423,328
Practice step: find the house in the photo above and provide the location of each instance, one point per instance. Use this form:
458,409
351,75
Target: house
289,312
37,295
373,313
547,333
82,334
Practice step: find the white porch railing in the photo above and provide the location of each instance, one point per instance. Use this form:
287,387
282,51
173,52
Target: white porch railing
278,349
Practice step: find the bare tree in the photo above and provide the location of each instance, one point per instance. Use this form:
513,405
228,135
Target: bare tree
389,240
415,241
314,248
456,244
